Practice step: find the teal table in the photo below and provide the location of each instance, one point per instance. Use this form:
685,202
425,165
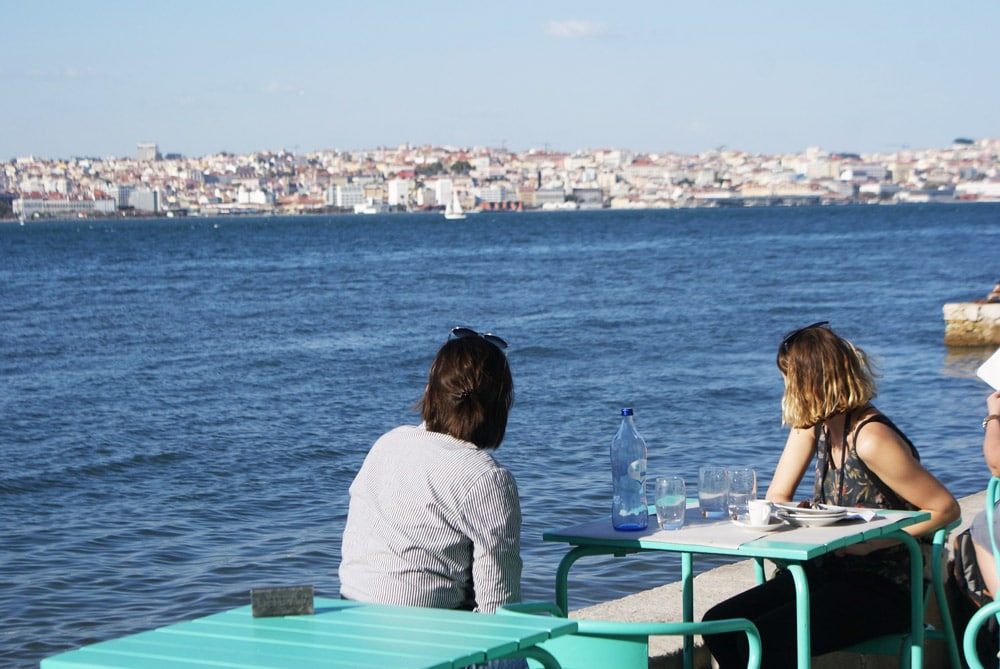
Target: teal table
792,547
339,635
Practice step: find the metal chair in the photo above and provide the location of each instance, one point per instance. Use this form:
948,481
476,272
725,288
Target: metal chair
980,617
599,644
898,644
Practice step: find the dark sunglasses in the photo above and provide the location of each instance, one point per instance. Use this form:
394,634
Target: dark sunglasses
791,336
460,332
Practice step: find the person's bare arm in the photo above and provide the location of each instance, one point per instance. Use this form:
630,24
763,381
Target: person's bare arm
800,447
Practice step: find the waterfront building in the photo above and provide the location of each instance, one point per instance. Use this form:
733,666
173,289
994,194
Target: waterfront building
978,190
62,207
122,195
254,196
399,192
543,198
494,195
863,172
588,198
443,188
348,195
145,200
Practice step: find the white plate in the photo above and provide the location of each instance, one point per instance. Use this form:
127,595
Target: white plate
823,512
831,507
809,521
769,527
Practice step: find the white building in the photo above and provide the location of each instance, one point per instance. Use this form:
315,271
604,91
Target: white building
978,190
443,188
345,196
61,207
863,172
145,199
254,196
45,184
147,152
122,195
399,191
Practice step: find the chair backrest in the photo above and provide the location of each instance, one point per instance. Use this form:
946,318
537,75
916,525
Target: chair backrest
588,650
980,617
601,644
992,493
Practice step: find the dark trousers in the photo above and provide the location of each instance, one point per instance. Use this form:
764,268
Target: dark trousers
844,608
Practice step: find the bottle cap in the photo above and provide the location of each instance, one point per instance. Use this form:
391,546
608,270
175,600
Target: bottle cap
627,412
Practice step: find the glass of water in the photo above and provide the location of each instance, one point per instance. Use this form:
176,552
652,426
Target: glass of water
742,489
670,497
713,489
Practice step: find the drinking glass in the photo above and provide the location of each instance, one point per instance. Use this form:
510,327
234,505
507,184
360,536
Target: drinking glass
670,497
713,488
742,489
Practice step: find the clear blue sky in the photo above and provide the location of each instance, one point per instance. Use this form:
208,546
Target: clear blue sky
95,78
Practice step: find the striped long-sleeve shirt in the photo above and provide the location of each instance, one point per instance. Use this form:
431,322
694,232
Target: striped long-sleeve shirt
433,521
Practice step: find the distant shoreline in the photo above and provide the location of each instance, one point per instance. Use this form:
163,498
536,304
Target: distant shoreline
410,179
439,211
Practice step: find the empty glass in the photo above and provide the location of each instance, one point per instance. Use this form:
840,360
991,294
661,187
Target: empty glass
742,489
670,497
713,488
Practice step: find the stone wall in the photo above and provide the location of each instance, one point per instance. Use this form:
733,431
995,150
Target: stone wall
971,323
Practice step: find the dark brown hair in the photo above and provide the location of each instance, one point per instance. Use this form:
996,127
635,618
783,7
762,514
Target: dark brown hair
824,375
469,392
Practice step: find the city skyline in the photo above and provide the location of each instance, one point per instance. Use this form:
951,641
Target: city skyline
198,79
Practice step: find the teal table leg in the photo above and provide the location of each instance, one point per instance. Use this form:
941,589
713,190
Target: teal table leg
687,601
951,641
562,573
801,614
758,570
916,600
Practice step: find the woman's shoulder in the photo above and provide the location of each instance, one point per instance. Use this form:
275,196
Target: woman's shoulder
446,445
874,431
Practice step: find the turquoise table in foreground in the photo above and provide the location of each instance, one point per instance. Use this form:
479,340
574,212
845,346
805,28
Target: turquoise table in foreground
339,635
792,546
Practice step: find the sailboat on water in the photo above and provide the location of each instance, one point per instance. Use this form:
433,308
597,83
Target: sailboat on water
453,210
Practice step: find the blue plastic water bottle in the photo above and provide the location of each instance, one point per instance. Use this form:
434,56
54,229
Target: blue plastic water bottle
628,475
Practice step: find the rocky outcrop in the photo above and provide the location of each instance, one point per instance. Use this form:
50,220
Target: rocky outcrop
971,323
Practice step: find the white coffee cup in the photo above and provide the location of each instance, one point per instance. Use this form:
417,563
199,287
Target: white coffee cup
759,512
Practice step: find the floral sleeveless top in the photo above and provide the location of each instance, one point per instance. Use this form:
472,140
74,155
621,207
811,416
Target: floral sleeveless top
853,484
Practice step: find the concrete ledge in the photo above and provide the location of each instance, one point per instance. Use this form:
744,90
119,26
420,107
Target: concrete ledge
663,604
971,323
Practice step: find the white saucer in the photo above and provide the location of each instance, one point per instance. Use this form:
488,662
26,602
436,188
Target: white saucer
768,527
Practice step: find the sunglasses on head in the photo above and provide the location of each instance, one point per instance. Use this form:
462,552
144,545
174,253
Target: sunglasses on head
791,336
460,332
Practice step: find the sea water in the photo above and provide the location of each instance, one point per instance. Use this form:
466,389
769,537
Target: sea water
185,402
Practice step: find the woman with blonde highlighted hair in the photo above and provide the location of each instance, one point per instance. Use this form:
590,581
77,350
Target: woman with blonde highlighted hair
862,460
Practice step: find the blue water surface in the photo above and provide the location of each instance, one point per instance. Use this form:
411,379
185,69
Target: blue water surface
183,403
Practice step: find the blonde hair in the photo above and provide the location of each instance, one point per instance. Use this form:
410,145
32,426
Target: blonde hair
824,375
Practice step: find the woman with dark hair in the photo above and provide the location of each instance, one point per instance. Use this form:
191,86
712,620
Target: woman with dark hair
862,460
434,520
